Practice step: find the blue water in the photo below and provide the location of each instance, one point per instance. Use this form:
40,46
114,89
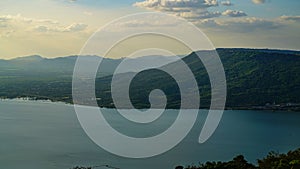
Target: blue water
41,135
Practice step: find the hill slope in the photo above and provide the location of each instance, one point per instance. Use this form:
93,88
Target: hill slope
254,78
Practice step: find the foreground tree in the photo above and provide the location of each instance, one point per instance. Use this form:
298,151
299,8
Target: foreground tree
291,160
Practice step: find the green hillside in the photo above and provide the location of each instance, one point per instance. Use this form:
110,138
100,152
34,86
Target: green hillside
254,78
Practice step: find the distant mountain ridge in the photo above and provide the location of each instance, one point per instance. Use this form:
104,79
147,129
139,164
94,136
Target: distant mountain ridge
255,77
55,67
266,50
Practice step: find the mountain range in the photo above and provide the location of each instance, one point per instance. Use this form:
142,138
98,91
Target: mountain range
255,78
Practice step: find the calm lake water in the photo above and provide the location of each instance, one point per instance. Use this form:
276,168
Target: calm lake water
37,135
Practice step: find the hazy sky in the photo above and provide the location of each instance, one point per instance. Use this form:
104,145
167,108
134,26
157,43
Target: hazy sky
54,28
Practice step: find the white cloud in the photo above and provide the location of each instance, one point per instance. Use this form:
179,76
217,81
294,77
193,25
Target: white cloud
258,1
152,22
190,9
249,24
252,23
19,24
197,11
290,18
42,28
226,3
75,27
169,4
19,18
210,23
234,13
199,14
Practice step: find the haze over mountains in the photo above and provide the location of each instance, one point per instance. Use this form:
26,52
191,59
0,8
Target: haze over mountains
63,66
255,77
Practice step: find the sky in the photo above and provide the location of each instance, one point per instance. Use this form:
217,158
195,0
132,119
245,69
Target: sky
53,28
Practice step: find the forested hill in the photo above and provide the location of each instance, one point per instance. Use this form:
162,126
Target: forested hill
255,77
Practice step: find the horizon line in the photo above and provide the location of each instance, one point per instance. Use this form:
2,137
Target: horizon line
76,55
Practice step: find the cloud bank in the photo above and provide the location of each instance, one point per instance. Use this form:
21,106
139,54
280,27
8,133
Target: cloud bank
176,5
290,18
18,24
190,9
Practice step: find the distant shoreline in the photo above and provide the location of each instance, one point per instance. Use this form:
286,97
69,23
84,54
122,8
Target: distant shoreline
34,100
274,108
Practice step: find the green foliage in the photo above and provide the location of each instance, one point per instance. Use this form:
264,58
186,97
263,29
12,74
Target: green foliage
291,160
237,163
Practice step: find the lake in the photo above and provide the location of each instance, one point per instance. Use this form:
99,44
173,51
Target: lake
45,135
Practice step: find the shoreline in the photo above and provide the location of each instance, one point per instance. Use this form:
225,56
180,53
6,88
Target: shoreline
273,108
36,100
